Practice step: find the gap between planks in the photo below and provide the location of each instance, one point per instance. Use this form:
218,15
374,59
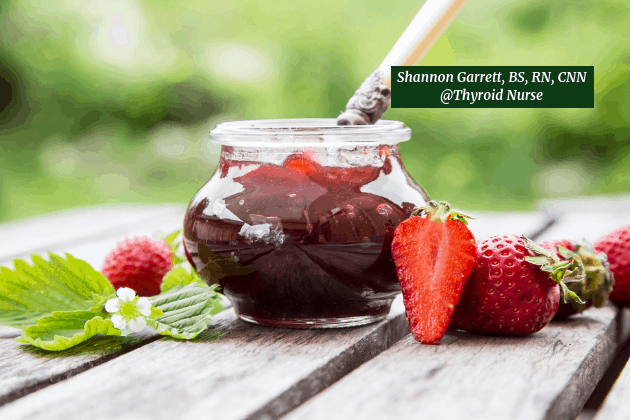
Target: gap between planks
548,375
615,405
542,376
25,369
310,369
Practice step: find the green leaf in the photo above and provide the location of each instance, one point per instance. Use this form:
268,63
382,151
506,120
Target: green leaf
539,260
460,217
538,250
573,276
63,330
187,308
567,293
171,241
30,292
177,276
440,212
219,266
565,253
155,313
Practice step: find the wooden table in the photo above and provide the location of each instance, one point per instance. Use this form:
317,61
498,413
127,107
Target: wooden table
241,371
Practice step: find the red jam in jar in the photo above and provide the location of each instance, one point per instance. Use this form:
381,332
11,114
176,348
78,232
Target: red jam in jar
296,222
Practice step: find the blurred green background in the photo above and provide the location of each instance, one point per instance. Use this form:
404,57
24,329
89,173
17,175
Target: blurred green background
110,101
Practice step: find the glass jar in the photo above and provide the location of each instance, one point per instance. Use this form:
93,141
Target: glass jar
296,222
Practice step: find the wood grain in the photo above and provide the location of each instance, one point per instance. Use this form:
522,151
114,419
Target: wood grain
588,204
547,375
615,406
62,231
588,219
25,369
248,372
276,369
487,224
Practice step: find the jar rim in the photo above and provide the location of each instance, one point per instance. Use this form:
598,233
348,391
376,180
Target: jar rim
307,132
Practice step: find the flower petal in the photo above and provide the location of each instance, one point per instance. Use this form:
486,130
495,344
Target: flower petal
126,294
119,322
112,305
143,306
137,324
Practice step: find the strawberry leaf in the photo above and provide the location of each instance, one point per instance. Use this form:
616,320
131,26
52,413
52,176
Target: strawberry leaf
30,292
170,240
62,330
187,309
173,243
176,276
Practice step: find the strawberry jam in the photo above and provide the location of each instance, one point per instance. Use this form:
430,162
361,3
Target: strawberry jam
302,238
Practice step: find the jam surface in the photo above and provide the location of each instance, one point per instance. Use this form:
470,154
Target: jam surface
293,239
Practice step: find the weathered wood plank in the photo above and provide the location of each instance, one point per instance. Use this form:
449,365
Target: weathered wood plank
615,406
589,226
60,231
582,219
589,204
93,245
548,375
24,369
587,219
478,377
487,224
276,369
249,371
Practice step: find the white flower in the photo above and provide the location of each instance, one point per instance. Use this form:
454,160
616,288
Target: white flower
129,311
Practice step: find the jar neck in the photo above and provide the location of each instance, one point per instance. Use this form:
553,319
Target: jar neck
309,132
343,156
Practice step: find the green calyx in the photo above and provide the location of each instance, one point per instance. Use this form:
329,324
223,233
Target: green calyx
440,212
561,272
598,281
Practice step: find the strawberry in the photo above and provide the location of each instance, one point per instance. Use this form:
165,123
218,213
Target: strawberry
616,246
514,289
598,280
138,263
307,164
434,256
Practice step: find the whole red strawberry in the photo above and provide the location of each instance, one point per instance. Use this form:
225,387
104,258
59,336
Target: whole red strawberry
434,256
598,280
616,246
138,263
510,290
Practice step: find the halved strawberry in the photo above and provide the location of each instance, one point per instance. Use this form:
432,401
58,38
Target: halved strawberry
434,255
302,163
